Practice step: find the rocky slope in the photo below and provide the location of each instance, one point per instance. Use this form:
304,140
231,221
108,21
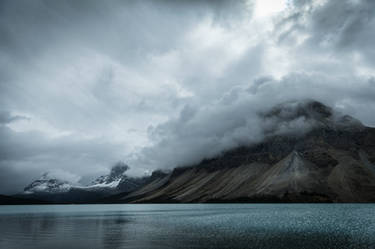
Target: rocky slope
330,159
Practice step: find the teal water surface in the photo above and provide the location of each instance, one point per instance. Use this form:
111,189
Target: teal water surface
188,226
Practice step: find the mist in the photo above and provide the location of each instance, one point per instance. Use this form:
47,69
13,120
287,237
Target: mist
160,84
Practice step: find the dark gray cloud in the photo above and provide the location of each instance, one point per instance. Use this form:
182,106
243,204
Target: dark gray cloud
335,27
80,81
6,117
84,84
31,153
234,119
13,180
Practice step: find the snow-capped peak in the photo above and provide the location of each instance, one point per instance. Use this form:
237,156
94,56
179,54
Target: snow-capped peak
47,184
114,178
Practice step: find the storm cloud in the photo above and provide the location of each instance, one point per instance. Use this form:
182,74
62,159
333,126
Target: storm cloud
156,84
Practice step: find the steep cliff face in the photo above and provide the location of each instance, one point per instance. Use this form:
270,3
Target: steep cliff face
332,160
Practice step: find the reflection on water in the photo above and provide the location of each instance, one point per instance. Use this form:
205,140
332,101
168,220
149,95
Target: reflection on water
188,226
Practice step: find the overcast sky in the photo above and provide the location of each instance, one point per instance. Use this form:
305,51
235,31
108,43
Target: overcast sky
156,84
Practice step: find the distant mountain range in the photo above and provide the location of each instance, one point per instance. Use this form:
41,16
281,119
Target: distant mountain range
58,191
330,158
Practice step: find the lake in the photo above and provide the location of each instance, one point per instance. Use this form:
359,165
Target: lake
188,226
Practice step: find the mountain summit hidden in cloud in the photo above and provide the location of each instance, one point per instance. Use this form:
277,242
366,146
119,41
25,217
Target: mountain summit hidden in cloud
333,160
310,153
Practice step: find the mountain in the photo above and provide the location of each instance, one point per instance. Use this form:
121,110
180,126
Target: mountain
48,185
310,153
157,179
58,191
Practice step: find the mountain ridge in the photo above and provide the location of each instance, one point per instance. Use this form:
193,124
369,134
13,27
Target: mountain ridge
310,153
333,161
51,189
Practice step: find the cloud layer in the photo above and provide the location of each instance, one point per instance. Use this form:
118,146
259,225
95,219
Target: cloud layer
164,83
